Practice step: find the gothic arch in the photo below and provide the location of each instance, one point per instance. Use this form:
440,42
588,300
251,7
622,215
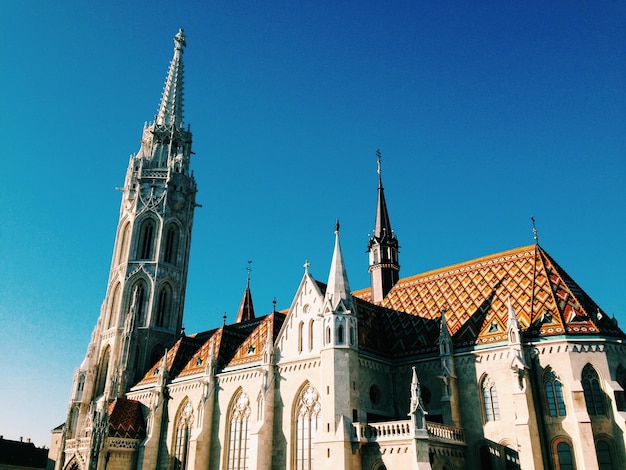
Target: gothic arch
113,307
183,423
553,392
145,236
123,238
164,306
237,439
306,420
171,243
592,389
138,295
490,403
103,371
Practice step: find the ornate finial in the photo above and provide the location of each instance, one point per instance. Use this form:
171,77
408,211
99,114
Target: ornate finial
179,39
378,159
535,236
274,308
249,271
337,227
182,330
306,266
224,318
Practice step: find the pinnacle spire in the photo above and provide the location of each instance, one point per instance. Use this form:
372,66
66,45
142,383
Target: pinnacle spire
383,247
171,108
338,288
246,309
382,225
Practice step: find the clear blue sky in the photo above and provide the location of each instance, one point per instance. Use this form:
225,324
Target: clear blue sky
485,113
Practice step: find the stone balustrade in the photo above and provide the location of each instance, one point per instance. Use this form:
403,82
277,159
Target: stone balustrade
396,430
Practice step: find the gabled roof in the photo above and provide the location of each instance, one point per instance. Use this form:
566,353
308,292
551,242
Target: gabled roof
126,419
475,294
231,344
177,357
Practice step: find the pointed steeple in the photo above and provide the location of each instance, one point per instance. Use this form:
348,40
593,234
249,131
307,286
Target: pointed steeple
246,309
383,247
338,288
171,108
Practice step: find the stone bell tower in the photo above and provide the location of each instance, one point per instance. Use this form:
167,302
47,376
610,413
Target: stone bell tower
142,312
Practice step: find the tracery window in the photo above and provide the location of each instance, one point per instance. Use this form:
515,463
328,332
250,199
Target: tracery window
307,421
592,391
139,302
238,437
183,436
554,394
490,399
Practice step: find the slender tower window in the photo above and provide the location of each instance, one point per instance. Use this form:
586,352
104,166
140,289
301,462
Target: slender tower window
300,338
239,439
307,421
605,459
146,240
162,307
171,245
311,322
340,334
102,372
140,301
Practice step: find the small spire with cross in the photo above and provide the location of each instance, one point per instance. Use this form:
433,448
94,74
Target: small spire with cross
249,269
535,236
306,266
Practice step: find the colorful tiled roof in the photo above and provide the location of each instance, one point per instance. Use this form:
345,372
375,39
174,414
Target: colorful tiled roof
474,295
232,344
126,419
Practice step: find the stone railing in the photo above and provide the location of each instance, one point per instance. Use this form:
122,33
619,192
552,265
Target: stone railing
385,431
395,430
444,433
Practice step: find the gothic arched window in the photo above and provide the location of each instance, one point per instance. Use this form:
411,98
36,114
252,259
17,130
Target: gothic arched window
146,239
113,307
123,243
164,301
138,302
183,435
103,370
300,333
592,391
238,435
307,421
340,334
554,394
311,322
171,244
490,399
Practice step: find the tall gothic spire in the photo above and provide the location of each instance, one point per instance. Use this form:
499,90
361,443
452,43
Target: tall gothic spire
171,108
338,288
383,247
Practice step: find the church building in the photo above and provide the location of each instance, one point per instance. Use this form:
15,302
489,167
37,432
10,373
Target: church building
501,362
